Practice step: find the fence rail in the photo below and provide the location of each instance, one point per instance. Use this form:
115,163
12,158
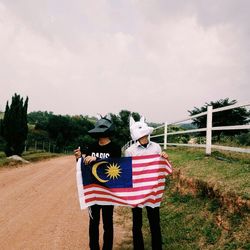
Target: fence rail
208,129
46,146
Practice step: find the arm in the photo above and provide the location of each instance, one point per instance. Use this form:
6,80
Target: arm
77,153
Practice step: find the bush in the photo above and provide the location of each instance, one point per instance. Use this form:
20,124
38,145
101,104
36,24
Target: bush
244,139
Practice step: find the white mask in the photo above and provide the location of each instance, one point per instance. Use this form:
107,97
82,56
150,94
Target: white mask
139,129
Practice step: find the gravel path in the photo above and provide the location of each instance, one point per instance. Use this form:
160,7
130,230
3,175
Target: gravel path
39,208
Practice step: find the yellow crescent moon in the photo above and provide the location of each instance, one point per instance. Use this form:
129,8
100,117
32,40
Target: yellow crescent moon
94,171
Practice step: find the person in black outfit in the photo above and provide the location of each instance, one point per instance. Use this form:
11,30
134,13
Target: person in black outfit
102,148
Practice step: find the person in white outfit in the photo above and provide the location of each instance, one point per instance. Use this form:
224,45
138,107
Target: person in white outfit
140,132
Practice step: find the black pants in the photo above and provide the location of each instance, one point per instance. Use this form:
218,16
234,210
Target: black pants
107,218
154,223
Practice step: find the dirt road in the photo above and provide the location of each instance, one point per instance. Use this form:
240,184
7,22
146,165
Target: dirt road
39,208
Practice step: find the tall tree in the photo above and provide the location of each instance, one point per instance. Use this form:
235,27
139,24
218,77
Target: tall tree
15,126
236,116
121,122
68,131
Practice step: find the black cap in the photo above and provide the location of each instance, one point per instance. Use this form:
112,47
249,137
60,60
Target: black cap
103,127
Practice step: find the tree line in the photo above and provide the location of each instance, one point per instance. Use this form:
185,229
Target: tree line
68,132
19,129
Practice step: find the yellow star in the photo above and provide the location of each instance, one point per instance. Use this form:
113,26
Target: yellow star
113,171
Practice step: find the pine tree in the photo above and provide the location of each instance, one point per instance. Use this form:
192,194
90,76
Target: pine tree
15,128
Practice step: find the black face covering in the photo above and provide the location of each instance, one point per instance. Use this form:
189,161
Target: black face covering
144,145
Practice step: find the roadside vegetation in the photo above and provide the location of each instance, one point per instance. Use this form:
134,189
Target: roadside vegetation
226,171
199,222
200,210
31,156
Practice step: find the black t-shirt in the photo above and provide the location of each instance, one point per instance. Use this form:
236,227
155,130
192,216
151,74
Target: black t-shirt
110,150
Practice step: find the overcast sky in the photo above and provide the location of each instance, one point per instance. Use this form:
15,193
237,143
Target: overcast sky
160,58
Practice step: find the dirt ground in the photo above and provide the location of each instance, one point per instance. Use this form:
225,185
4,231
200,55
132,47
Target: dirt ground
39,208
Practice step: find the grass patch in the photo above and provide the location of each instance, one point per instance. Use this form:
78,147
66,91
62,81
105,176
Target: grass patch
38,156
31,156
229,171
189,222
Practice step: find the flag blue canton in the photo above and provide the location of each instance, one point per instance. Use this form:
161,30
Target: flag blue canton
110,173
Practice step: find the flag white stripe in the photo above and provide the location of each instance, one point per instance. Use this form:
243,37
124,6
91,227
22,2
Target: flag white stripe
146,160
148,183
151,175
152,167
148,204
79,183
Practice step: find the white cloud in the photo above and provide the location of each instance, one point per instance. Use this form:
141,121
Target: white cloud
158,58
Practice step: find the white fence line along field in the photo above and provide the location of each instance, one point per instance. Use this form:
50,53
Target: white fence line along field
208,129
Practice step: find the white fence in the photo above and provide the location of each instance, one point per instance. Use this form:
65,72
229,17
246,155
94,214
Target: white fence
208,129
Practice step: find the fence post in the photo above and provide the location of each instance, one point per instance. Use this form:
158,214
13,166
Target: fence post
165,135
209,129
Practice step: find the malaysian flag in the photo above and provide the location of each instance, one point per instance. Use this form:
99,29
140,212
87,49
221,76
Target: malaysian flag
127,181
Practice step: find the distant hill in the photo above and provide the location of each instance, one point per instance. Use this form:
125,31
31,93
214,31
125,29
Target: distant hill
187,126
154,125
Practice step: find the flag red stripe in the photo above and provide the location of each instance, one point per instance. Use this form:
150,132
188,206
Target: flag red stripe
132,189
113,201
135,197
150,171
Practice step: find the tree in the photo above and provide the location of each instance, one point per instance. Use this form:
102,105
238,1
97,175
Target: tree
68,131
39,118
14,126
121,122
1,135
1,127
236,116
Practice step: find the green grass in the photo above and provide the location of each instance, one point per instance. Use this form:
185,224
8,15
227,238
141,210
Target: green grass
198,222
230,172
37,156
189,222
